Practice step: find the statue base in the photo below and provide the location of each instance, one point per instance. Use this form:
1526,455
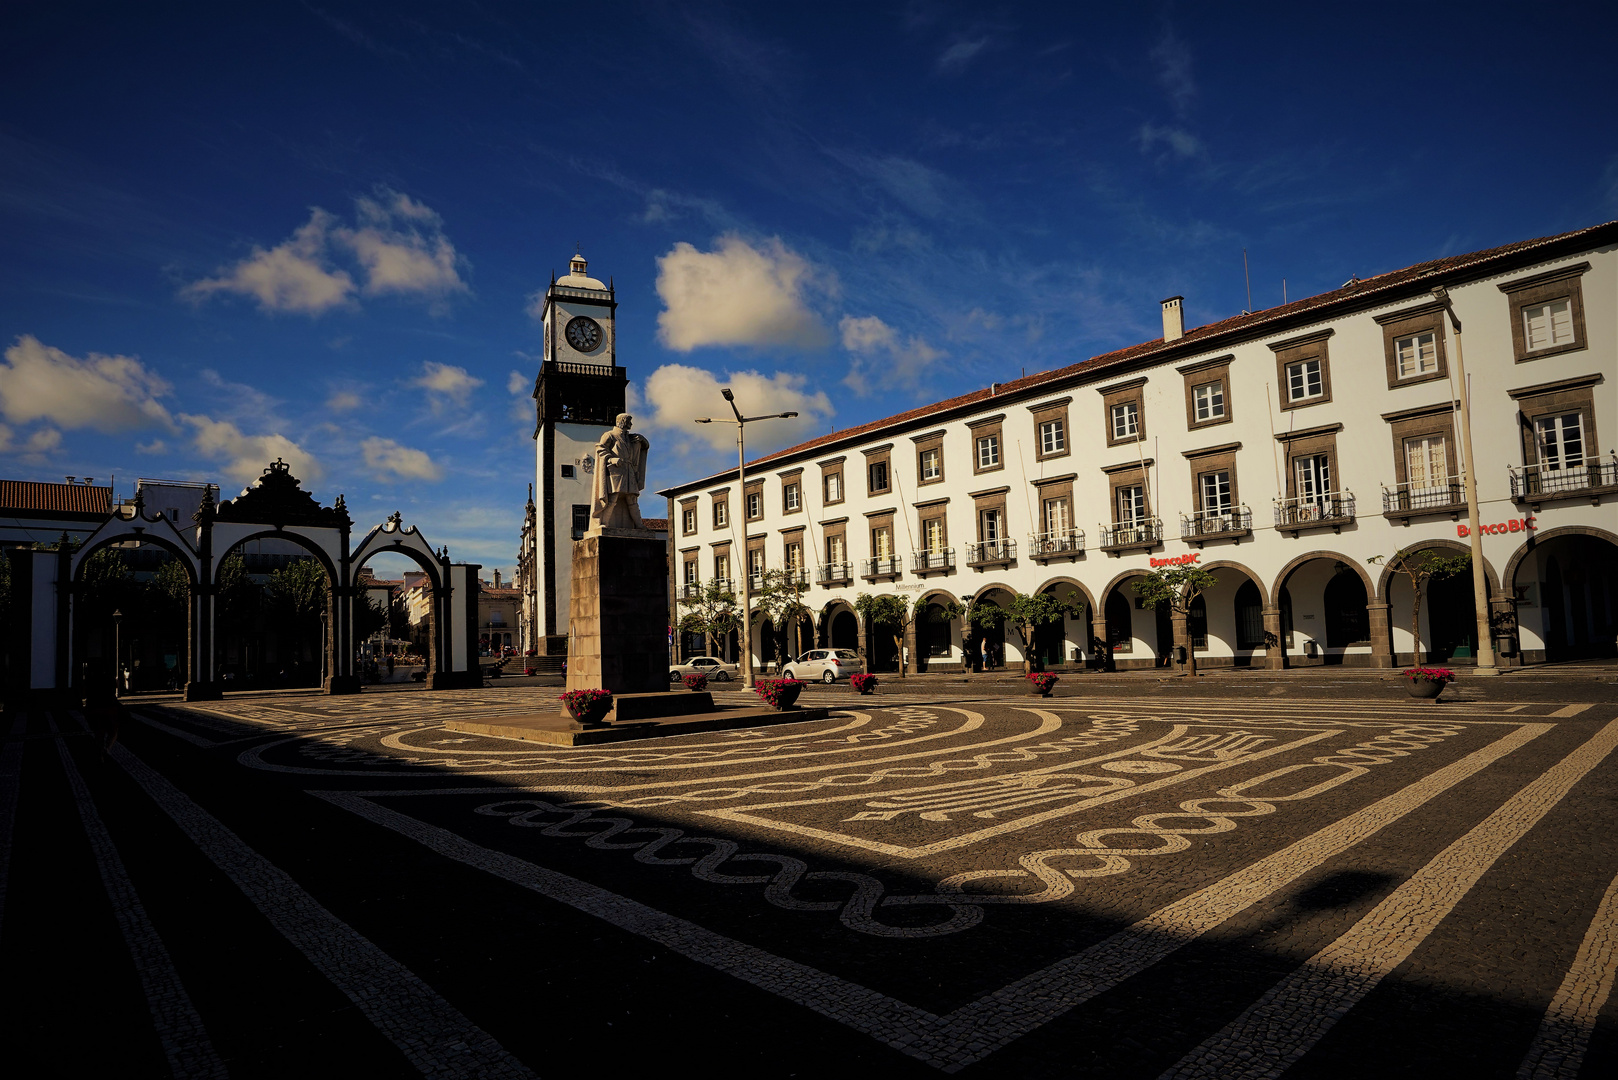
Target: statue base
618,616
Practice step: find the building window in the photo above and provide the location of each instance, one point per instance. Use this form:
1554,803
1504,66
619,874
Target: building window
691,572
581,520
835,550
932,535
755,562
834,487
1208,402
721,516
882,542
1313,473
1560,441
1426,463
755,505
688,521
792,496
1052,437
794,556
932,465
1546,326
1547,312
991,525
721,569
1131,505
988,451
1416,355
1215,492
567,472
1304,380
1125,421
878,477
1056,516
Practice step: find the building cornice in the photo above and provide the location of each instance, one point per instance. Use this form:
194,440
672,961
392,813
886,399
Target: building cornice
1577,382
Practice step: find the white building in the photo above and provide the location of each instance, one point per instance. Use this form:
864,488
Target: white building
1284,450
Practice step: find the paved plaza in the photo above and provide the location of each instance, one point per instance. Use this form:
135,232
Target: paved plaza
1312,878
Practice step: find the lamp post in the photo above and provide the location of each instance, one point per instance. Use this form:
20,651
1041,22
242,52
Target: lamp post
741,484
1469,481
117,653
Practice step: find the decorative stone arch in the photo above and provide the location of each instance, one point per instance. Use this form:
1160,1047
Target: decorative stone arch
1535,539
828,613
1119,579
1440,544
1373,594
394,537
942,597
1089,598
1231,564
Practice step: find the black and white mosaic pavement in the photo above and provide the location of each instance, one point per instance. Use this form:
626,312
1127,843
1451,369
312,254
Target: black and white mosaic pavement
1110,886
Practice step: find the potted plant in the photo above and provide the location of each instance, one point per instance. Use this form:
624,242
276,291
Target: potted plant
587,706
1427,682
696,680
779,693
1043,682
862,684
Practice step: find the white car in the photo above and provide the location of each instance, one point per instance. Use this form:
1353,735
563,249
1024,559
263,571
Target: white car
713,667
825,665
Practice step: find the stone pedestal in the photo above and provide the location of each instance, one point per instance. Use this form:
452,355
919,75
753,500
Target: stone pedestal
618,616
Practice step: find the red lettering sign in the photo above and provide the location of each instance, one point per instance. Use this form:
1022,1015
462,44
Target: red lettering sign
1496,528
1177,560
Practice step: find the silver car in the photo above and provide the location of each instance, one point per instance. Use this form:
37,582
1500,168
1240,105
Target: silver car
713,667
825,665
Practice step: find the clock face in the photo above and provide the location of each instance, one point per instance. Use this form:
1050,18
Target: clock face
584,333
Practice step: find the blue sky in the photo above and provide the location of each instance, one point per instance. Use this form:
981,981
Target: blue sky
231,232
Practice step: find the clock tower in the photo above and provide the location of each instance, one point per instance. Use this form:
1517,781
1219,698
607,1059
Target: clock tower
578,394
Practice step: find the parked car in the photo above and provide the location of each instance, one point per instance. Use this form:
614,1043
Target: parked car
711,666
825,665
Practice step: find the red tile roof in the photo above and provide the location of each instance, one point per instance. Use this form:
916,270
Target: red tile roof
27,495
655,524
1357,294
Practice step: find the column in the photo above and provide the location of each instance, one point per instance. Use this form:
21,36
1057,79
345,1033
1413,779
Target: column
1098,641
1182,636
1381,635
1275,656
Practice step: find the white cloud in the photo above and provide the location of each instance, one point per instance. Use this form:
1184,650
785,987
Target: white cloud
156,446
245,457
1173,62
384,457
517,383
344,401
106,393
398,247
1181,143
677,394
740,294
959,55
882,357
446,384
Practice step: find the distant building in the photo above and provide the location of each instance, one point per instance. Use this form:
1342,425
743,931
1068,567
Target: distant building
37,513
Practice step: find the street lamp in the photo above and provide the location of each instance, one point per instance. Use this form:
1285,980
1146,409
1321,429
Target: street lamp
117,653
741,485
1469,481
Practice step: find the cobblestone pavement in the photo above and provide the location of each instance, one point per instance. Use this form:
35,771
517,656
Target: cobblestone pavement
1336,882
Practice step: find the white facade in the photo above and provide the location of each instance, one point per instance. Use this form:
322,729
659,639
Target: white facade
1285,449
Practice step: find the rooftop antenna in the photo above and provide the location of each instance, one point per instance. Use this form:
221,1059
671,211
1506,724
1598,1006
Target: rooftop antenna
1249,278
1283,290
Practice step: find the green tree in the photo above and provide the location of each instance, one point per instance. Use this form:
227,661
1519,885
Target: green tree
297,599
1025,613
1422,565
167,603
370,617
780,600
898,615
713,613
398,618
1176,586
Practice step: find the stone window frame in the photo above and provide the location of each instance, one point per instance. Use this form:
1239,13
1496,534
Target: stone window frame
1204,373
990,499
1045,413
1563,283
717,549
1308,443
691,557
688,516
1296,350
720,511
830,530
1124,393
1054,487
933,441
756,543
878,455
789,538
981,429
1554,398
1419,319
789,480
829,469
935,510
1407,424
881,519
754,487
1213,459
1129,474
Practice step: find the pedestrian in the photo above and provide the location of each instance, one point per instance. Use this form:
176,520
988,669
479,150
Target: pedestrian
988,657
390,665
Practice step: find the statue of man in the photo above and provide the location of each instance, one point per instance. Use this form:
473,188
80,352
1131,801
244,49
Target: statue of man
619,477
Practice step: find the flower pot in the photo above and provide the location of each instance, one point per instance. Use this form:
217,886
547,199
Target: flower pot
785,695
866,691
590,713
1425,688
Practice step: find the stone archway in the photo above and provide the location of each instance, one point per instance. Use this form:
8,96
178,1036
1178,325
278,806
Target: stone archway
1234,615
1054,642
1562,602
1310,624
934,635
394,537
85,628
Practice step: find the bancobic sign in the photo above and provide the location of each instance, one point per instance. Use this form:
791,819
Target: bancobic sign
1514,525
1177,560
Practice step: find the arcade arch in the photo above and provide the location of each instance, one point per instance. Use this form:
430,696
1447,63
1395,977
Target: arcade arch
1324,613
1564,585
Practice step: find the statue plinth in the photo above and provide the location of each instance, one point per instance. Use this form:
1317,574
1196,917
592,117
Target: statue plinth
618,616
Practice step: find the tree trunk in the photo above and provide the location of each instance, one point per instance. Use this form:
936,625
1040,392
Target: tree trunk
1415,623
1190,644
899,650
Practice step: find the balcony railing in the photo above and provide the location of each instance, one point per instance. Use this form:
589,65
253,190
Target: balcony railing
691,590
1060,543
755,582
1120,536
1407,499
1332,510
1594,478
796,575
834,573
725,584
601,371
932,562
991,552
886,566
1216,524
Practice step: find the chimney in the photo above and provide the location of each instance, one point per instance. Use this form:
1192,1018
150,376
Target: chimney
1173,319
